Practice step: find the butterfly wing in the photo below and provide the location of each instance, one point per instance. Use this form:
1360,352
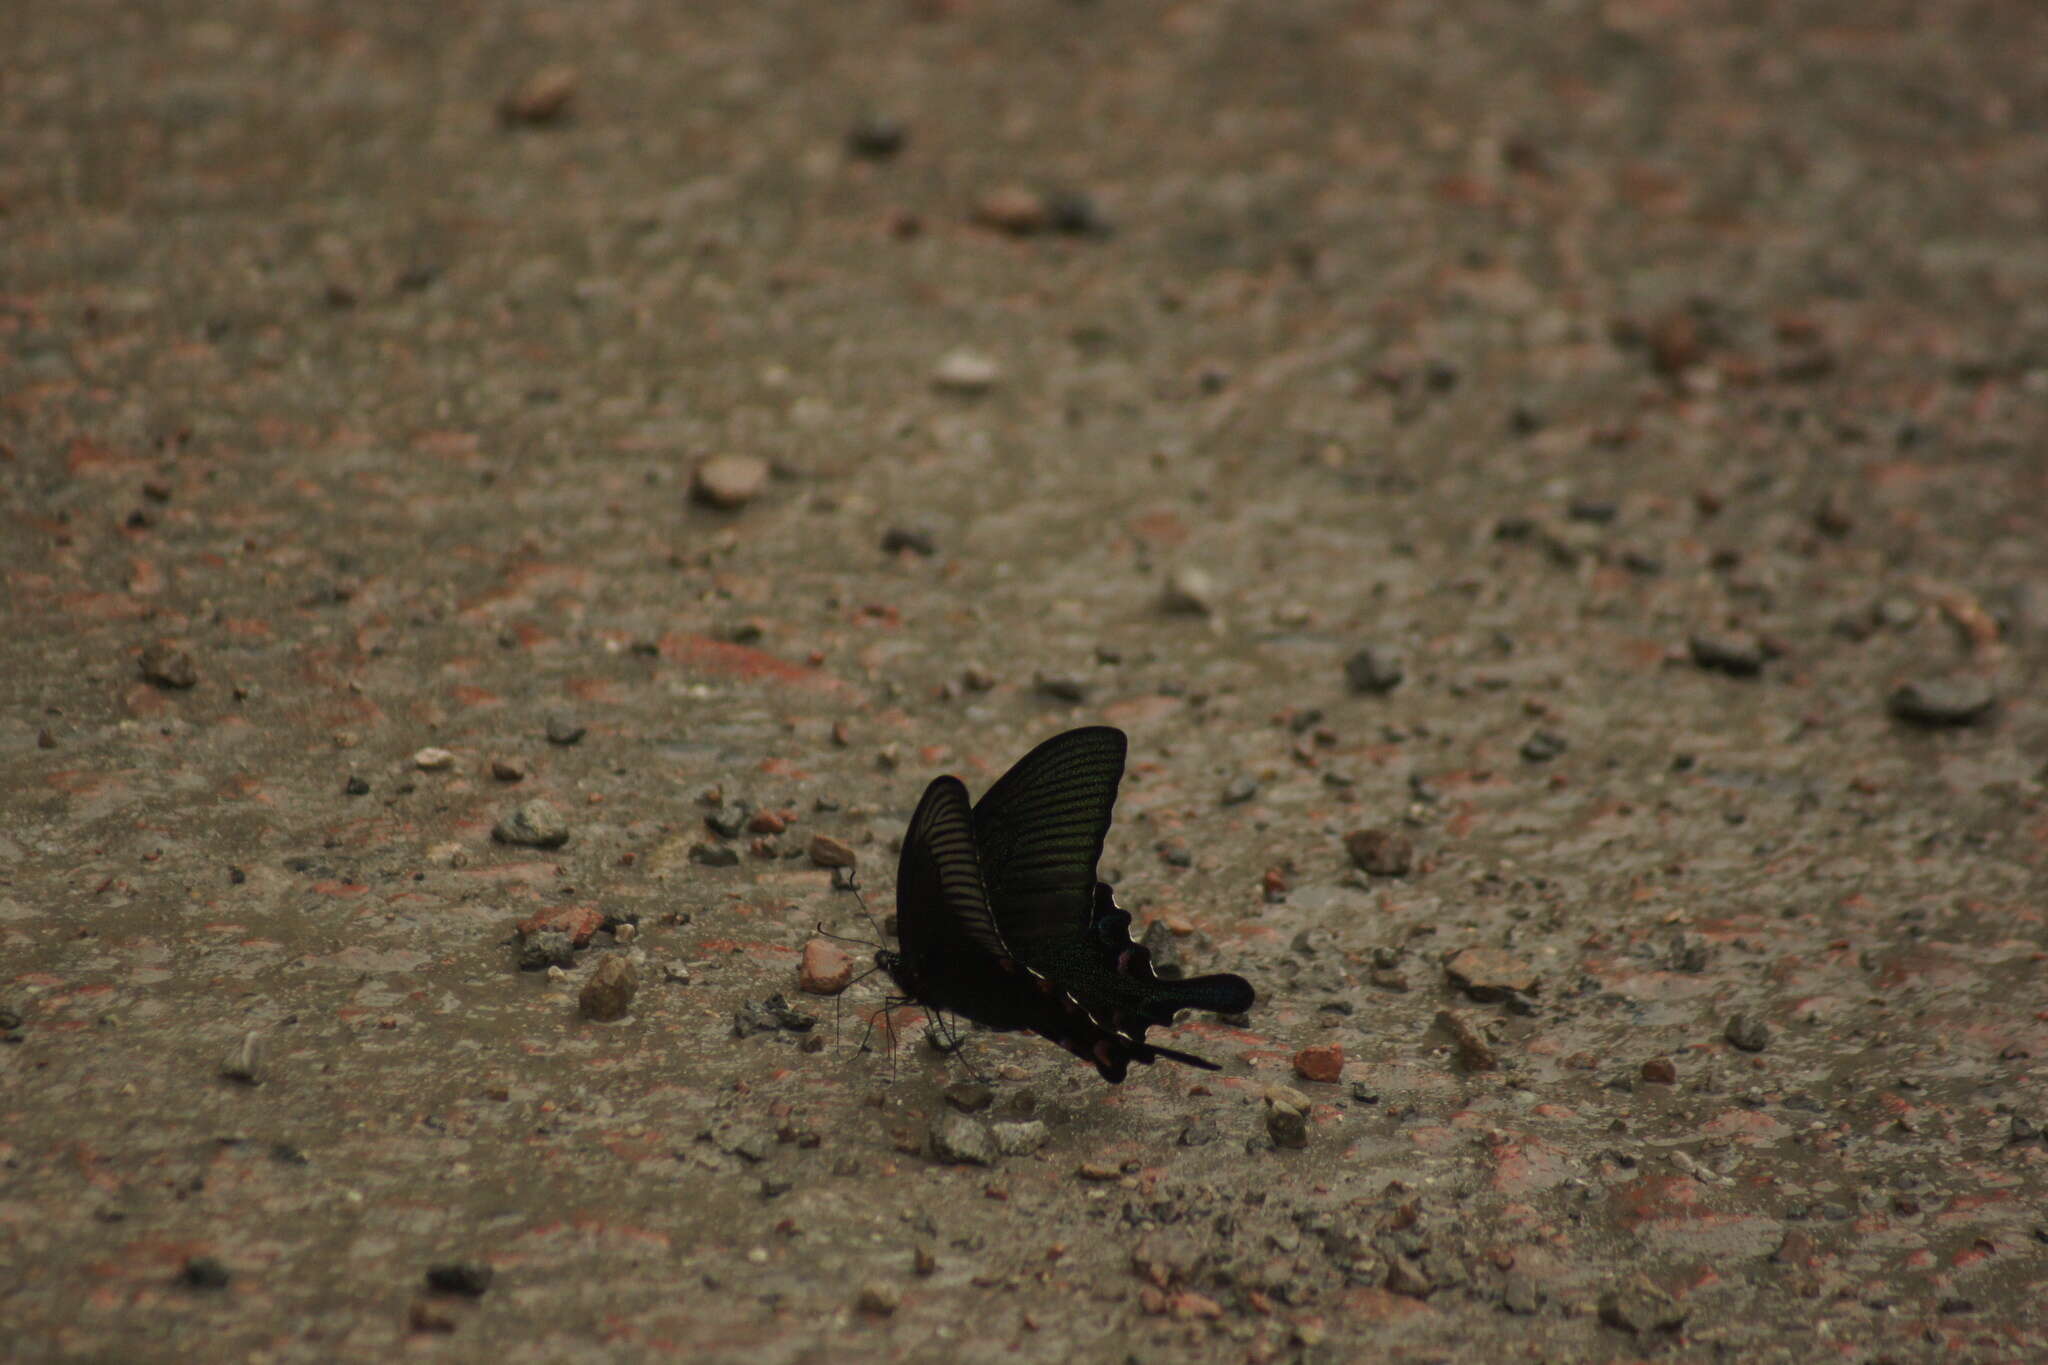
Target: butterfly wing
1038,833
952,956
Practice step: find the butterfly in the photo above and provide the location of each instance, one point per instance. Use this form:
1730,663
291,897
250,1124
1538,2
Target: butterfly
1002,920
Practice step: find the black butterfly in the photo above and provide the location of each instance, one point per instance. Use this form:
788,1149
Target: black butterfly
1002,920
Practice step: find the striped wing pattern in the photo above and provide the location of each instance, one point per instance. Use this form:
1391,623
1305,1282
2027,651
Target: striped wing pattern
1039,831
942,874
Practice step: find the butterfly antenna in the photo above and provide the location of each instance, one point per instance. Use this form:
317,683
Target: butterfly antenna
853,885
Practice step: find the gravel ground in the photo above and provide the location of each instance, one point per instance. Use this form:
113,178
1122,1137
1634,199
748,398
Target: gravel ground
1557,495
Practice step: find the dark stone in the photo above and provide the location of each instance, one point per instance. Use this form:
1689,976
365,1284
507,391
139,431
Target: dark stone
714,855
564,729
1937,702
204,1272
1543,746
875,138
470,1279
1747,1032
1738,655
538,952
897,539
1376,669
1380,852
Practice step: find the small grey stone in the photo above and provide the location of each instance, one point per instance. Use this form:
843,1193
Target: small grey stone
729,482
1159,941
244,1061
966,372
1199,1133
876,138
1061,686
714,855
917,540
1239,790
536,824
728,820
960,1140
1020,1137
1189,591
1543,746
1376,669
1380,852
1944,701
1639,1307
169,667
538,952
564,729
1747,1032
1738,654
878,1297
969,1097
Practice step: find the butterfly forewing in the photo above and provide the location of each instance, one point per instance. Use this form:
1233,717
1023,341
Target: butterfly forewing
939,895
1039,833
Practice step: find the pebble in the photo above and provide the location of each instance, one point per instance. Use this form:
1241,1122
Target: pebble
714,855
1473,1050
1324,1062
579,922
878,1297
825,968
960,1140
539,952
1199,1133
563,729
1013,209
966,372
1375,669
1287,1116
1944,701
1239,790
1189,591
977,678
876,138
433,760
1738,654
244,1061
1747,1032
1380,852
727,820
536,824
608,994
169,667
1543,746
1489,975
508,770
1660,1071
1060,686
470,1279
1020,1137
917,540
827,851
542,98
729,482
1098,1171
204,1272
969,1097
768,1016
1520,1294
1640,1307
922,1261
1159,941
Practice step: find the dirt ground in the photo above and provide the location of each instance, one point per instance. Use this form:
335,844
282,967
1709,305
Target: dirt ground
1658,391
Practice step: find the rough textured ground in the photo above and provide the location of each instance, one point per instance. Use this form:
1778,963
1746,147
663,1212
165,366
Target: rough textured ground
1529,342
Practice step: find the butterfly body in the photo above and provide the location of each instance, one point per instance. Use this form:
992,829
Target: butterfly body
1002,919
